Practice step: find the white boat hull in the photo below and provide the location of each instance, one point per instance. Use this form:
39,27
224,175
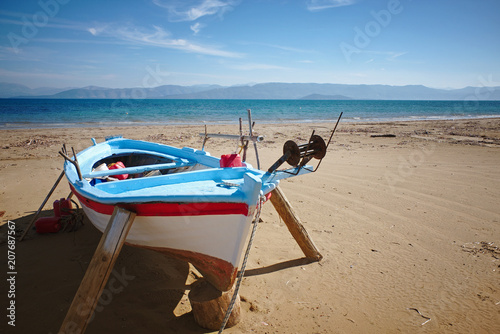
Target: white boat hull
190,207
213,243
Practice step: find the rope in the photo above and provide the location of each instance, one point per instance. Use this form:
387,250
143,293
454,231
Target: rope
241,147
72,221
243,266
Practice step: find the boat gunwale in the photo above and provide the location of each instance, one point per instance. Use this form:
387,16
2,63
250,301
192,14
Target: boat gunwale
229,180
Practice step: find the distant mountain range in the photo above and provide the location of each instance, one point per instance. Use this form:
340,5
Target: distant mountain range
13,90
273,90
325,97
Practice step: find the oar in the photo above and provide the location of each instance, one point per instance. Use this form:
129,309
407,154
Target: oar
41,206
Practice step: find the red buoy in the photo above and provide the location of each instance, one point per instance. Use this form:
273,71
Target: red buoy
48,225
62,207
118,165
231,160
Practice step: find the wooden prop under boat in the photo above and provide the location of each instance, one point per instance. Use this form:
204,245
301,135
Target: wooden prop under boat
186,205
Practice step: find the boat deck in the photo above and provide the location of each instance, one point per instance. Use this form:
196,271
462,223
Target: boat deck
208,185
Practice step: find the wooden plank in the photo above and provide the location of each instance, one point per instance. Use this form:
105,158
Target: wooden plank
292,221
98,271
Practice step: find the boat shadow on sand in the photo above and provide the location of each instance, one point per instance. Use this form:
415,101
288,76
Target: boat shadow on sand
278,266
144,293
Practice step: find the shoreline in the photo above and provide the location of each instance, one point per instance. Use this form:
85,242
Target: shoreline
438,130
48,126
405,222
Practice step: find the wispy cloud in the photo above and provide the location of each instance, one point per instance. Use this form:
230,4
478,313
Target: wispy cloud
279,47
317,5
26,54
389,55
197,27
394,55
158,37
256,66
287,48
52,22
78,41
192,10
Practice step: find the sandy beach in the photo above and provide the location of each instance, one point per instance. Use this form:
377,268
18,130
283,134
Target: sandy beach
408,225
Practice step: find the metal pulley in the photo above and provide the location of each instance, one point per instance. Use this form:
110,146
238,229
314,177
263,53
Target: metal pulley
315,148
299,155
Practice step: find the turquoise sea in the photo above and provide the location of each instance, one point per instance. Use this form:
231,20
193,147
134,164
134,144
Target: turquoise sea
53,113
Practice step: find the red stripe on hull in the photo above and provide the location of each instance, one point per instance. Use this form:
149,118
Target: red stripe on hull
167,209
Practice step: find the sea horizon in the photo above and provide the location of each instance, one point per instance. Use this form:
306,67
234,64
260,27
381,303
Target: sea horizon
71,113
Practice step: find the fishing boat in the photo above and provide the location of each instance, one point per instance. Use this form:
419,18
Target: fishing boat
188,204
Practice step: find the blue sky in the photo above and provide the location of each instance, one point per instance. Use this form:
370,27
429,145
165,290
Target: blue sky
147,43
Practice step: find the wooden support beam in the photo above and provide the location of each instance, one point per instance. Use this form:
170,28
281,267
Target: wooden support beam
210,305
82,308
292,221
